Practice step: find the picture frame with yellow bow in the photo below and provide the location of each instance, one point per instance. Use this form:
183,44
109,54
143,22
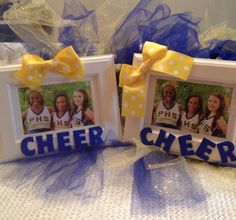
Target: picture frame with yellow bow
166,123
92,97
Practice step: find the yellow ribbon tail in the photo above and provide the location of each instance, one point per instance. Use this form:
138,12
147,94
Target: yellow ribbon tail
134,91
129,75
133,101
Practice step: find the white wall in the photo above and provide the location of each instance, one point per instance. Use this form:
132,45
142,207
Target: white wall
57,5
217,10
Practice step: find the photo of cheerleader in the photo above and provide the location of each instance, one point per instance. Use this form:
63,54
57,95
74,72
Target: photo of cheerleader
62,114
166,113
82,114
37,118
192,114
214,123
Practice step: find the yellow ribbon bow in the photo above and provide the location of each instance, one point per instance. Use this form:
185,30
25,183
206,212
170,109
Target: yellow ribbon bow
34,68
158,58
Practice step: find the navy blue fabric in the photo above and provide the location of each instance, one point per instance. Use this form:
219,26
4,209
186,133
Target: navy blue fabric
6,34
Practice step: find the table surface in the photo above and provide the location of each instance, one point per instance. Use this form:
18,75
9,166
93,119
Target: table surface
114,201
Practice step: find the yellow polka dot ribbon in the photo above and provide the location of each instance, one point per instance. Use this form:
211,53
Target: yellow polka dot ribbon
158,58
34,68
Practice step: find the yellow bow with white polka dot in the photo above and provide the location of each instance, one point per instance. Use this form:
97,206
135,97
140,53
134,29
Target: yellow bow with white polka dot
157,58
34,68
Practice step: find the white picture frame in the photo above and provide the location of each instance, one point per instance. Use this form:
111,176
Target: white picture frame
204,71
99,71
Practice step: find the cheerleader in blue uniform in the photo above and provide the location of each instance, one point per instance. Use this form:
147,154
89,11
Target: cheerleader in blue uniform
37,118
192,115
82,114
62,115
214,123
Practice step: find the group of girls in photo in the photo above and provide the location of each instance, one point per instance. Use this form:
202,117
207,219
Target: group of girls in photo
168,113
40,118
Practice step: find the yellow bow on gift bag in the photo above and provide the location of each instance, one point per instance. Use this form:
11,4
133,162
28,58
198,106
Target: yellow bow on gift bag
34,68
158,58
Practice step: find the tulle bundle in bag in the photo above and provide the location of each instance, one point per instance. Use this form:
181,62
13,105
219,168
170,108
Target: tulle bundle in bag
93,24
36,24
178,32
151,21
82,31
162,180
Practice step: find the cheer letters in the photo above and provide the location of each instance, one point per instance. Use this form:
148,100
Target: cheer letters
62,142
164,140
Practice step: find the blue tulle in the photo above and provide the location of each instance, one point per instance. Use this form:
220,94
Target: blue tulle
178,31
161,180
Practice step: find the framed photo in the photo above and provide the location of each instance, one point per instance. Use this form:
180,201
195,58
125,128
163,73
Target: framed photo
203,108
61,107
